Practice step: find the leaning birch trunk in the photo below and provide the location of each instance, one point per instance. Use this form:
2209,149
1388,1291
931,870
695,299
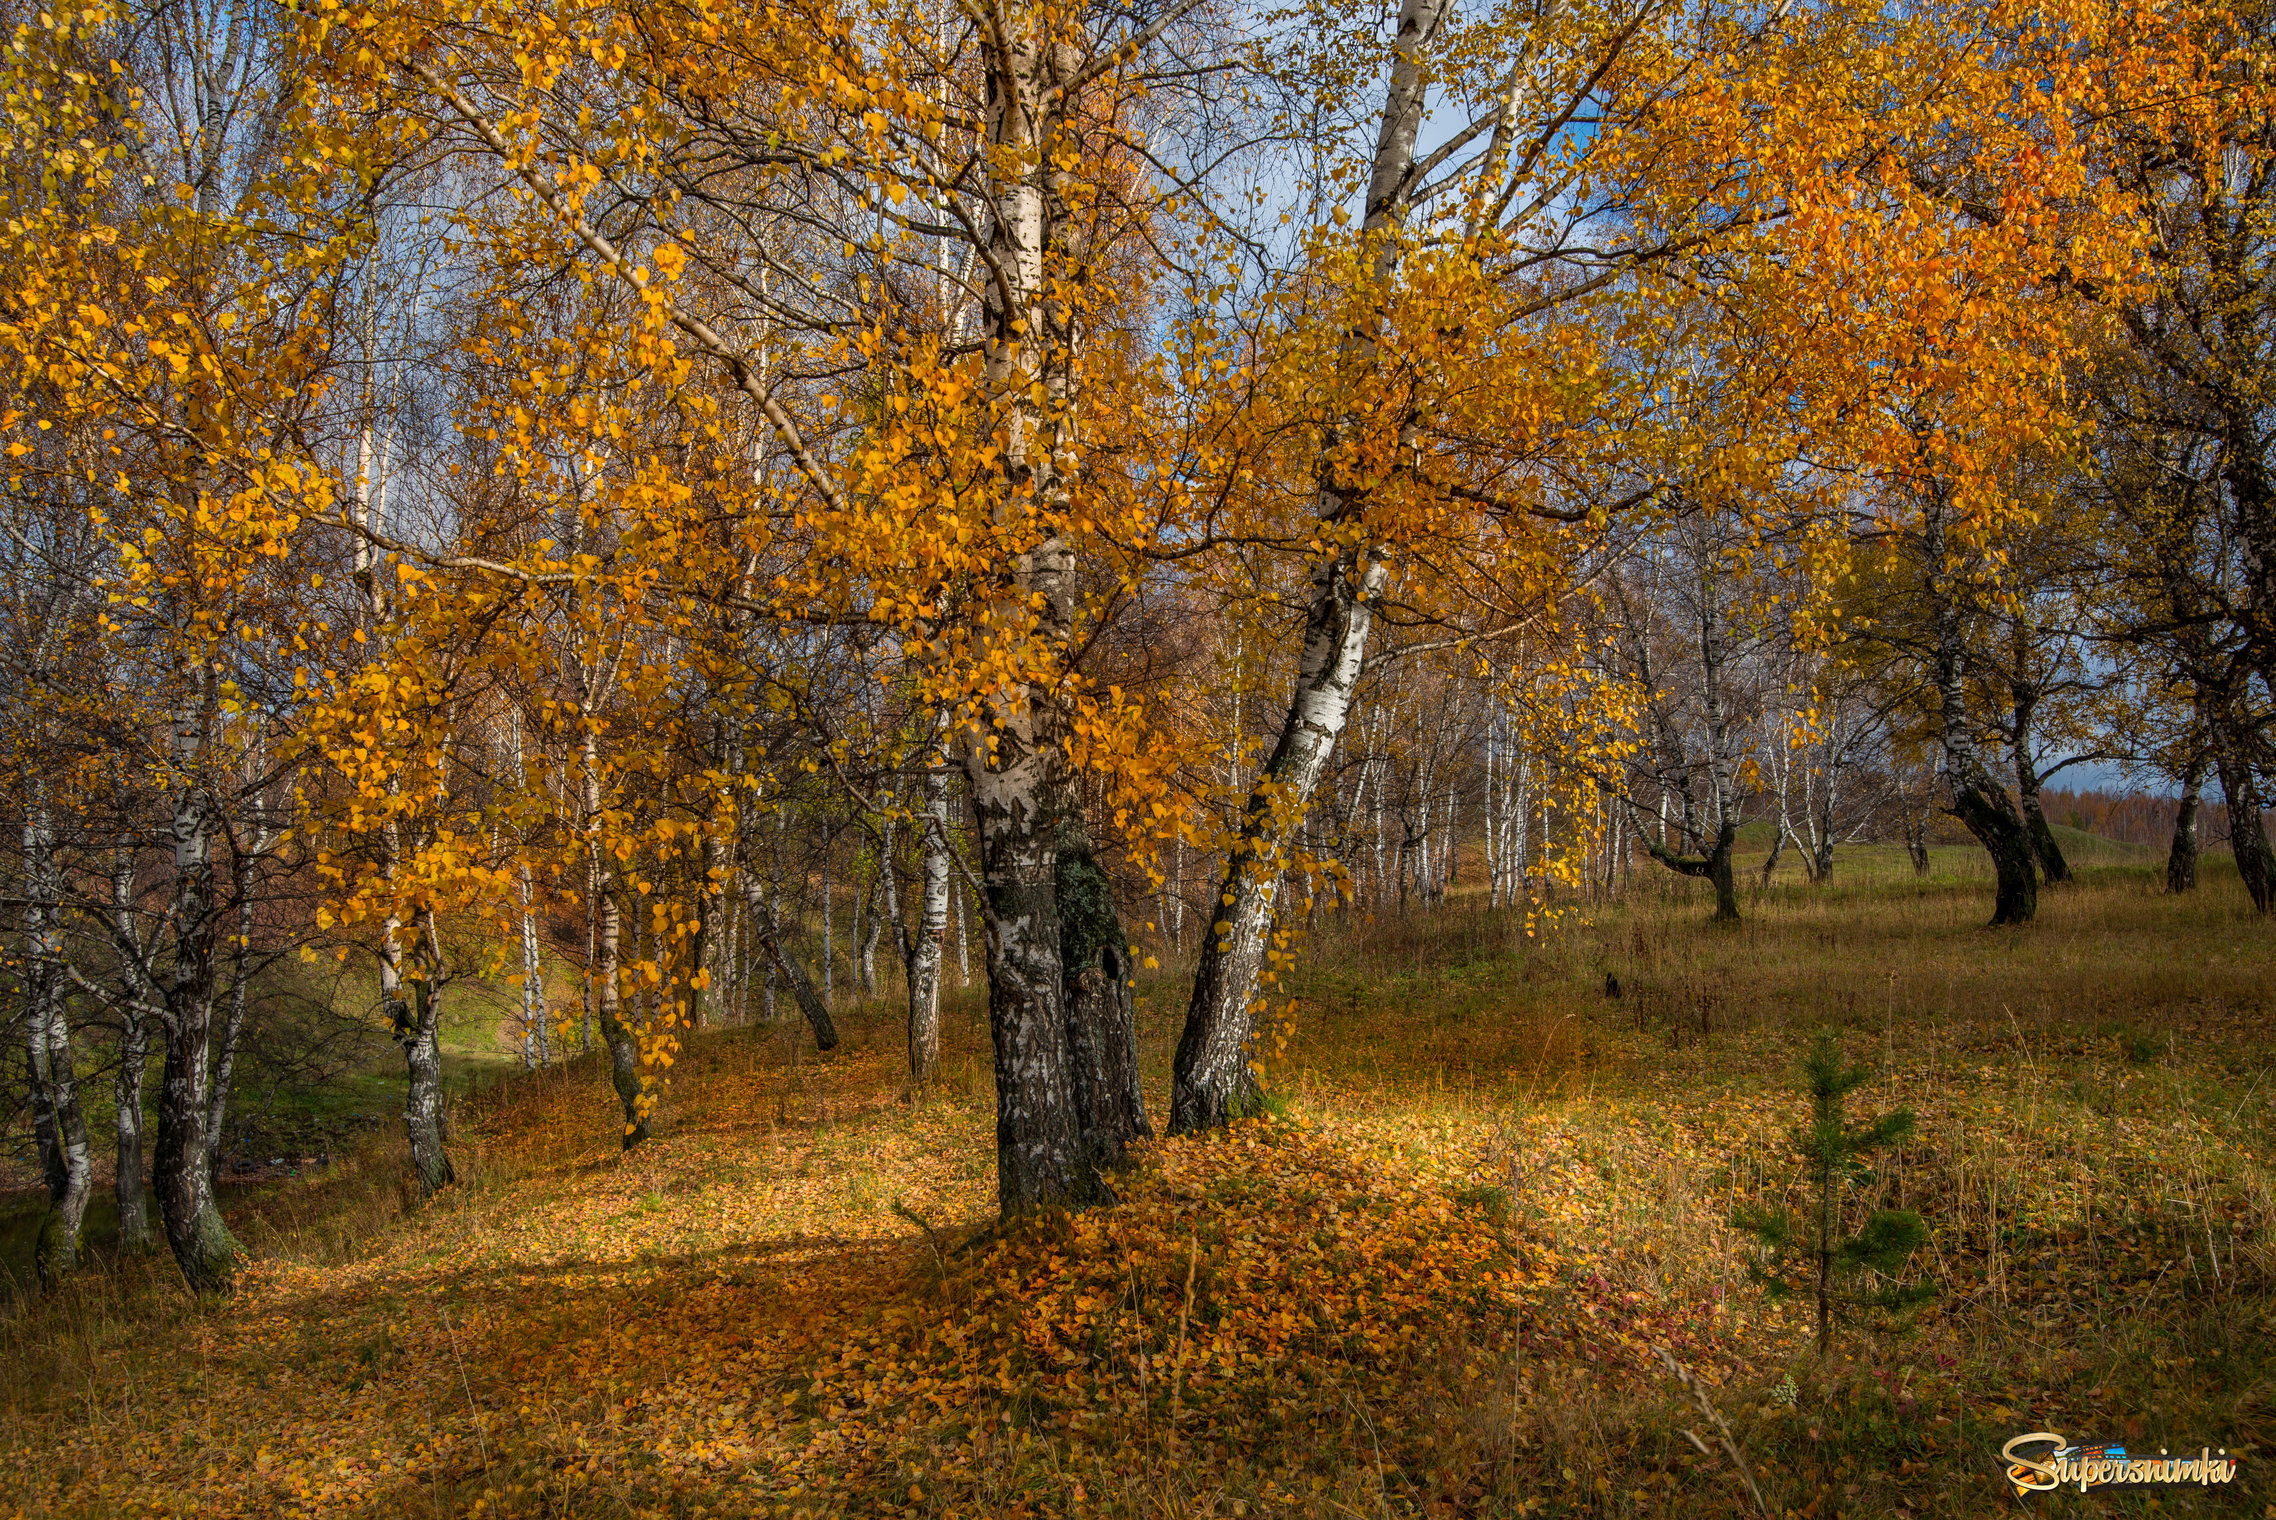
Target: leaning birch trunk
181,1176
1777,848
1212,1078
785,965
868,923
762,913
233,1028
242,868
925,953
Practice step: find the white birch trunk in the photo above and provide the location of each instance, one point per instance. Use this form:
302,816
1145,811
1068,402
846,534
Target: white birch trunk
1213,1078
932,927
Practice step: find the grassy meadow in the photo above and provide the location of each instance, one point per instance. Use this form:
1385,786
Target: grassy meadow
1435,1279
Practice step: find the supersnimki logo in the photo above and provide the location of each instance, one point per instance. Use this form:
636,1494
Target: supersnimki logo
2042,1461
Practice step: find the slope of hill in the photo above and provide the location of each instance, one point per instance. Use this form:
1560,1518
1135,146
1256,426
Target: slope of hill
1432,1284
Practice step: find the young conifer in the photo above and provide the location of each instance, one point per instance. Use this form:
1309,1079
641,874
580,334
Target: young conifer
1844,1272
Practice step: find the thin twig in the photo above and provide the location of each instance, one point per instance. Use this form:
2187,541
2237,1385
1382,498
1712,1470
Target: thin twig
1177,1370
1730,1444
482,1445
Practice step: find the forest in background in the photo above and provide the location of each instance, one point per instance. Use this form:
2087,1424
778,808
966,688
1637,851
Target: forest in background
586,532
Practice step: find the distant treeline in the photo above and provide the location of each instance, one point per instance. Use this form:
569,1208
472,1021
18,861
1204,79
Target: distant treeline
2135,817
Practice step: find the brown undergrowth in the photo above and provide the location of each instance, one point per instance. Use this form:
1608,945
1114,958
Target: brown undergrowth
1429,1284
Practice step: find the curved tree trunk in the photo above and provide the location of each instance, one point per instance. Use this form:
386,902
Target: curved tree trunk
2043,846
2248,835
1982,804
786,966
244,864
1713,866
1212,1077
2181,859
232,1029
1978,800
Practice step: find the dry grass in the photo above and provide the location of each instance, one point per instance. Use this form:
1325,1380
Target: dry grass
1528,1181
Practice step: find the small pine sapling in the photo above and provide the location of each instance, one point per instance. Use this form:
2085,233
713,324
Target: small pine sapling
1839,1270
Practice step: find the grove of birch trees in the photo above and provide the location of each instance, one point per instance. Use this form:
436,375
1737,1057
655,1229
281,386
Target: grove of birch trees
711,514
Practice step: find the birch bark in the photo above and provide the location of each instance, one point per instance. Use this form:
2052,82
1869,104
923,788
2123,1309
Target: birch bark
181,1172
1212,1077
925,953
56,1255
